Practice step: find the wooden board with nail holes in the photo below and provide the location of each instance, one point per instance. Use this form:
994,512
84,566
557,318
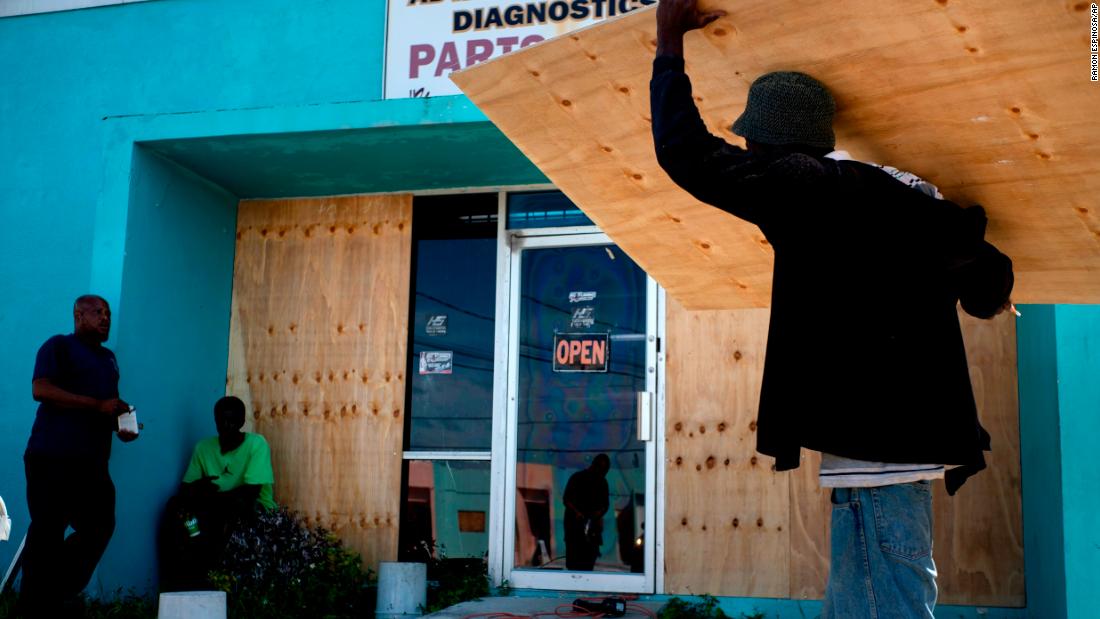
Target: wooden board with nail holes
714,370
727,512
989,99
318,339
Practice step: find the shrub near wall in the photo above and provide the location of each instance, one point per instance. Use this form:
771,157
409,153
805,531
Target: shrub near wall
278,567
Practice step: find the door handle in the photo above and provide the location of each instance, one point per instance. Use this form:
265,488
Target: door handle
644,405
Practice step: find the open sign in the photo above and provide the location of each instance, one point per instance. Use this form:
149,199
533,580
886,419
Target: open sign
580,352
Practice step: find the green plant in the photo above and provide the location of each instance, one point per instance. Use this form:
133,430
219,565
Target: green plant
276,566
705,608
127,605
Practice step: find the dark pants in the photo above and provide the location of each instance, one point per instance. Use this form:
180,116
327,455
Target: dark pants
63,493
186,560
582,548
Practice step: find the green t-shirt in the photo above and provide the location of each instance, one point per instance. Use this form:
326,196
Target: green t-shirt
250,463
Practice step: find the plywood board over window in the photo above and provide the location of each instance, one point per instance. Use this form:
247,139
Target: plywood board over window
318,353
989,99
727,520
735,527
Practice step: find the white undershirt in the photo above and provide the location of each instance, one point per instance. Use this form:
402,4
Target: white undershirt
838,472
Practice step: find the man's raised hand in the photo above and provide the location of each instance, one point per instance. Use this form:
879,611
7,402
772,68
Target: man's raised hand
676,17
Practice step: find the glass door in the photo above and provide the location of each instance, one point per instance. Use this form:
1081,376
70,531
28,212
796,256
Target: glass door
581,411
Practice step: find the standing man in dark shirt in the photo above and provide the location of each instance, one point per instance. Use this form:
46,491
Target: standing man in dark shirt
586,501
865,359
68,483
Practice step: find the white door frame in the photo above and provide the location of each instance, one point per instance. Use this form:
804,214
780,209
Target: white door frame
502,495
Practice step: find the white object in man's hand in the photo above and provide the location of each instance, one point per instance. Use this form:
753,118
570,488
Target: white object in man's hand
127,424
5,521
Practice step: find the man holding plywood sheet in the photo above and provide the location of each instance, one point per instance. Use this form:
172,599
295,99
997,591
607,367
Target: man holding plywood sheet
865,359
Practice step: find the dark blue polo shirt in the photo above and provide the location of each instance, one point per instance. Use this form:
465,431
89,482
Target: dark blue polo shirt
81,369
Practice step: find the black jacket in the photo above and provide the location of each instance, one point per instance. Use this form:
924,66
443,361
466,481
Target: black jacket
865,356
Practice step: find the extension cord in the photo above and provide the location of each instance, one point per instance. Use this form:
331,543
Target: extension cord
608,607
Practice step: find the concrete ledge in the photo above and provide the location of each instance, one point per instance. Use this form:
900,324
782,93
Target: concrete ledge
192,605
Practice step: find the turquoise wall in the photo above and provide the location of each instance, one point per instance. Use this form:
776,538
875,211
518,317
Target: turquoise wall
1040,437
90,101
1059,352
1078,347
175,309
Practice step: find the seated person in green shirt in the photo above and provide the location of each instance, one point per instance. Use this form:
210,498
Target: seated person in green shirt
237,464
228,479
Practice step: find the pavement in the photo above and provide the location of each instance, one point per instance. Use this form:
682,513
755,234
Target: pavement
527,606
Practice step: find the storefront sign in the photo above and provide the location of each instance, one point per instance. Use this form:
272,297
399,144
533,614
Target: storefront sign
580,352
427,39
436,362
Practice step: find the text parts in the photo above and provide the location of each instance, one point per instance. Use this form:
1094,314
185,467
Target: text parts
445,57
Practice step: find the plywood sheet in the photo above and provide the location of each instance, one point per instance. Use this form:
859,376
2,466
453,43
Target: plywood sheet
726,515
810,518
989,99
978,532
979,546
318,353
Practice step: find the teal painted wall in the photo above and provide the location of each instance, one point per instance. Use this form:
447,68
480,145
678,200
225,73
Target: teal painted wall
1059,370
1079,401
175,304
65,181
372,160
87,208
1040,437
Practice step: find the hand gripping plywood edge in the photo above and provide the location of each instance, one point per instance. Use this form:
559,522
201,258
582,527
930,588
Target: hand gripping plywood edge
989,100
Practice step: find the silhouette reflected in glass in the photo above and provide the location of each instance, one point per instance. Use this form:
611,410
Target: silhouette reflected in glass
586,502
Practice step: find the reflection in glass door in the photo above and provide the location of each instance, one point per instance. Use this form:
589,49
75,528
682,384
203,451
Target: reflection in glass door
583,353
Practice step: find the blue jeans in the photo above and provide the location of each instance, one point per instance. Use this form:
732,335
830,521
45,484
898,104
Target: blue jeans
881,557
